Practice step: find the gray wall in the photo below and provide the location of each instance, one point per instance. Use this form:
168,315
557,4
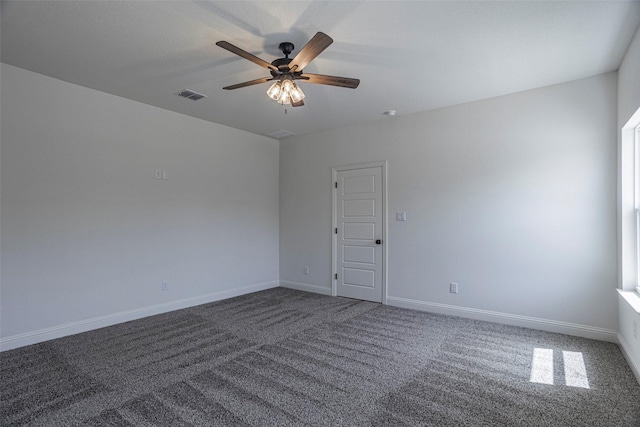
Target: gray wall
629,82
512,197
89,234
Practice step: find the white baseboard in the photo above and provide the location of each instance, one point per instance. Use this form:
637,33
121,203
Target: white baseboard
316,289
59,331
628,354
574,329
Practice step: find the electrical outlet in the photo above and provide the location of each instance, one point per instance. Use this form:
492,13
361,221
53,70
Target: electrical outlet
165,286
306,271
453,288
635,329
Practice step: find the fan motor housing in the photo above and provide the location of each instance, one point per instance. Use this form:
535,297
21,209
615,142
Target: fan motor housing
282,62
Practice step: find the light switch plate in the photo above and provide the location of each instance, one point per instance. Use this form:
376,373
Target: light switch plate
401,216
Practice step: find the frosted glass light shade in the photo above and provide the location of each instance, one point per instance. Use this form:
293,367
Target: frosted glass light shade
285,92
296,94
287,86
274,91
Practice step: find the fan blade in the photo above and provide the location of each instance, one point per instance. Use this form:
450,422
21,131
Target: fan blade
249,83
316,45
246,55
330,80
297,104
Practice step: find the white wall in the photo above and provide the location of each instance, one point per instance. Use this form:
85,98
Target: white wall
512,197
88,234
628,104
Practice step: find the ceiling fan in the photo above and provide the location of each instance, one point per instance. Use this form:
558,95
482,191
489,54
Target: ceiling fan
285,70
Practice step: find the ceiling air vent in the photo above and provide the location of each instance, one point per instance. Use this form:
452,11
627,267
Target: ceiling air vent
186,93
280,134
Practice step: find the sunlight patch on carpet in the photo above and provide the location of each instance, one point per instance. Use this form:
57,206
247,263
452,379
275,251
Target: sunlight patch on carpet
575,373
542,366
543,370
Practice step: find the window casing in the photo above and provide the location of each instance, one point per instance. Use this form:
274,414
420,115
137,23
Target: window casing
636,171
629,205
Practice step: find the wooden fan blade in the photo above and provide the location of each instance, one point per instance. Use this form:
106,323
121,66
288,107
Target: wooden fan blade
316,45
330,80
246,55
297,104
249,83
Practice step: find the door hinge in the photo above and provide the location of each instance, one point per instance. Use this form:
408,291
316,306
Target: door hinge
336,230
336,276
336,184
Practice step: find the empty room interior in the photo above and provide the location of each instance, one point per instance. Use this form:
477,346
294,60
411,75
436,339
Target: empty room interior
320,213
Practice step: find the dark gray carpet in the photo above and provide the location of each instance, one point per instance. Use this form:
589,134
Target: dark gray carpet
288,358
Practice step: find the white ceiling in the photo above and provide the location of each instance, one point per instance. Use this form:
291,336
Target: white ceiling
410,56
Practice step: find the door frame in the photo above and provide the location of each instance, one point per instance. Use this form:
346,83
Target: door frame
334,222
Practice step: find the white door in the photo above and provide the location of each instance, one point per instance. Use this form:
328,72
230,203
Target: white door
359,220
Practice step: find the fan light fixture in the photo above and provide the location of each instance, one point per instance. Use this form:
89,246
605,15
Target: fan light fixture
285,70
285,92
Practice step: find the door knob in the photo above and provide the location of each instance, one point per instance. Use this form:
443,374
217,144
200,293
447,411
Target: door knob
378,242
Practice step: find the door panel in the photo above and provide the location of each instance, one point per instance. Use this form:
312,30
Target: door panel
359,184
357,277
359,254
359,210
358,231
